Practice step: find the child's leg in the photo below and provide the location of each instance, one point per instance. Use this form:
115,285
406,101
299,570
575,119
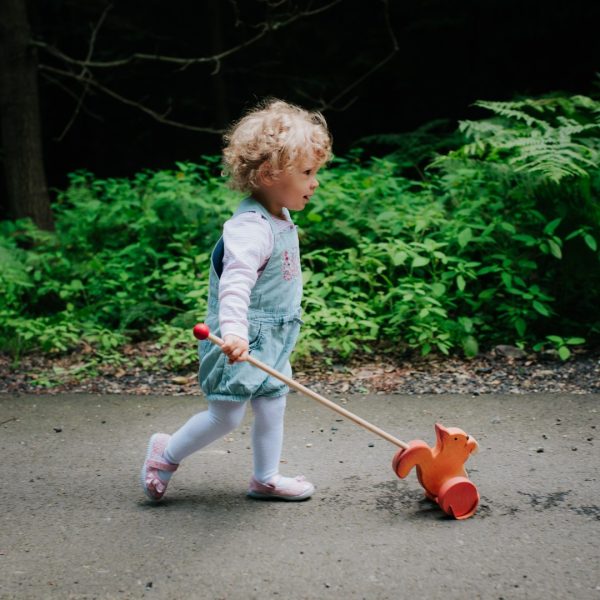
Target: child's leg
204,428
267,436
267,439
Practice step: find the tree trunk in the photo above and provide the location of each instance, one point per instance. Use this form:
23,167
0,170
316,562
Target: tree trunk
20,125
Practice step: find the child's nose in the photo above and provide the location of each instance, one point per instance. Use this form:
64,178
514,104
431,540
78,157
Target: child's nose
315,184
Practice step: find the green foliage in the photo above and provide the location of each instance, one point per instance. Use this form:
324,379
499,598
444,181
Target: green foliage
556,137
413,149
561,345
496,241
127,255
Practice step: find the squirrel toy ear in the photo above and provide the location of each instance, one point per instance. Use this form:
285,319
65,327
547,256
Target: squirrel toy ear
441,432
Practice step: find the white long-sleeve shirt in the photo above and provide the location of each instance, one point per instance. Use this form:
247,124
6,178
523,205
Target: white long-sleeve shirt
248,244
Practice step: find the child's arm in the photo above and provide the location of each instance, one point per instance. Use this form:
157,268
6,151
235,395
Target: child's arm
248,242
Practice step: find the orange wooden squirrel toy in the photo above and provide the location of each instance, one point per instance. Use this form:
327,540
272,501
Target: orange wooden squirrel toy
441,470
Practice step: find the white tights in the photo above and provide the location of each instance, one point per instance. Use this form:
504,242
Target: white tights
221,418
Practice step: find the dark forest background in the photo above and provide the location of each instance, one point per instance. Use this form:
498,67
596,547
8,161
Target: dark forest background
449,54
461,211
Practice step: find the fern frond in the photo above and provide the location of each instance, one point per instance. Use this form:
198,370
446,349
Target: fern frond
563,141
571,127
512,110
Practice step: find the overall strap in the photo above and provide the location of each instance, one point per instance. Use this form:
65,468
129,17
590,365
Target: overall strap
251,205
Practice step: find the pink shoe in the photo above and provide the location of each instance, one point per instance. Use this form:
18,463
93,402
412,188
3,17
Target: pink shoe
297,489
155,487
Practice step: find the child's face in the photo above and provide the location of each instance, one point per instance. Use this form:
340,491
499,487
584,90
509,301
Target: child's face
293,188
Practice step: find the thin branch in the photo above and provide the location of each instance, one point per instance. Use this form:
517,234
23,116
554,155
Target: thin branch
88,81
96,29
236,12
185,62
158,117
306,13
85,73
330,104
64,88
177,60
273,3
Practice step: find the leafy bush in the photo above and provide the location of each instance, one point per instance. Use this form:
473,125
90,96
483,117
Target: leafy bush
495,240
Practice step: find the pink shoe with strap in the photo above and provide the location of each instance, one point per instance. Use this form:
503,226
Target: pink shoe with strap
156,471
291,489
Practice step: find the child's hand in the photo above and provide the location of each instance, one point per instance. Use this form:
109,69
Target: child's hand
235,347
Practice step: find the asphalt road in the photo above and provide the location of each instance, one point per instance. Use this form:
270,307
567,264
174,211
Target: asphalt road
75,523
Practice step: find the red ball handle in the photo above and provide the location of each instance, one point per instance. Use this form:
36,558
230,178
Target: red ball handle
201,331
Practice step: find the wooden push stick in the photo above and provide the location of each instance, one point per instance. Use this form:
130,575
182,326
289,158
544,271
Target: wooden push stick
440,469
202,332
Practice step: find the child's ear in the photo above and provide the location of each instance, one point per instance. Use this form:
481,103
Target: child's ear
265,174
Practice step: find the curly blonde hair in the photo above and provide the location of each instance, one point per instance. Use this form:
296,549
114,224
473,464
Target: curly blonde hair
276,134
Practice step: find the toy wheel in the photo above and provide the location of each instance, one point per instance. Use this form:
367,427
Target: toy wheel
458,497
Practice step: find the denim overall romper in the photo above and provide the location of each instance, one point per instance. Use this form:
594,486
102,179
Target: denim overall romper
273,320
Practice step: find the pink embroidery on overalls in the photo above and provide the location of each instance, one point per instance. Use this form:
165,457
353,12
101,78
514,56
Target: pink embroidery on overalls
290,264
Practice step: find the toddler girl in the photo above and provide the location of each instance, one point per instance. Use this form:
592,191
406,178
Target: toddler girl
272,155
